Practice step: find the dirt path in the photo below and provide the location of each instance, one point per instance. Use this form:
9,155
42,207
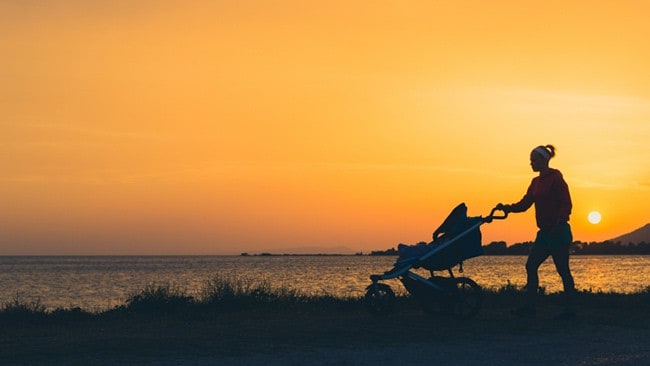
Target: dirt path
609,346
610,330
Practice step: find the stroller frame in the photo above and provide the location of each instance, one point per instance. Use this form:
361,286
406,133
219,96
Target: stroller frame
460,296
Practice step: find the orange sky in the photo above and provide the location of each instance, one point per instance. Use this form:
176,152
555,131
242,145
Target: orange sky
192,127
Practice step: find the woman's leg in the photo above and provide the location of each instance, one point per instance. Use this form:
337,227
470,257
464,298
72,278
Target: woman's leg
560,255
537,256
561,260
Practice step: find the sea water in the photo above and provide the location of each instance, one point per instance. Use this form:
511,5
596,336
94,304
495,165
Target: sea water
98,283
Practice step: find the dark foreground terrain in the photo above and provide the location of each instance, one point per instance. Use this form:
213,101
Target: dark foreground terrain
159,327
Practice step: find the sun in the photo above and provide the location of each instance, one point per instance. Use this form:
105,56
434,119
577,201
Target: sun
594,217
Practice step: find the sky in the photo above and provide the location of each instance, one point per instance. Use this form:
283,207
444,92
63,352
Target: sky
222,127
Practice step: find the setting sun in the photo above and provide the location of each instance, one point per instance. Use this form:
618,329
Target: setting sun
594,217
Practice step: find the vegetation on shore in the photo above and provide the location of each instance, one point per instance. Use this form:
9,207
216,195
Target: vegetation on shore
227,294
577,248
222,293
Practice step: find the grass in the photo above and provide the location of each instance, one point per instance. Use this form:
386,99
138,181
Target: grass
235,316
228,294
221,294
18,307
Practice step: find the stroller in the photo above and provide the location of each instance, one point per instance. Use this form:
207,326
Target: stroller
457,239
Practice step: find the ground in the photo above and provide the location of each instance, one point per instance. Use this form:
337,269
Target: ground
609,330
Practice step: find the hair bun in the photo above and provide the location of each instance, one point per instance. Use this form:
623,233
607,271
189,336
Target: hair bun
551,150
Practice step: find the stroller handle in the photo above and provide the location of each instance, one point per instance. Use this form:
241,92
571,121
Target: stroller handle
491,217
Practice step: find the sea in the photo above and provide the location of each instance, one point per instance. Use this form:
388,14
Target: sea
99,283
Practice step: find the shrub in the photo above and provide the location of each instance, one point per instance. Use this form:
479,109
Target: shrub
236,292
19,309
159,299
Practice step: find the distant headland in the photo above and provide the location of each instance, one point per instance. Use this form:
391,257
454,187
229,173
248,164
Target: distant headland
501,248
267,254
636,242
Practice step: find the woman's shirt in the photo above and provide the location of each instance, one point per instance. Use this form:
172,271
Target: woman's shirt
550,194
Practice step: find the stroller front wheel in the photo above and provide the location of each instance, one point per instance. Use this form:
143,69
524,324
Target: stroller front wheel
379,299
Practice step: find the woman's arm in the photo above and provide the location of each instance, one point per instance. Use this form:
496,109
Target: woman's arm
524,204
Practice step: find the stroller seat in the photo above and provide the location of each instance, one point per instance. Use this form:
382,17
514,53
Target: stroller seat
457,227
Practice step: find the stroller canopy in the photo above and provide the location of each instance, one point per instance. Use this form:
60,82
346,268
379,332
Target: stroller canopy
454,224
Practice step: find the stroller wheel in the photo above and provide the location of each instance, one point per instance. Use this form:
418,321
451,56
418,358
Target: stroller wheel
379,299
466,298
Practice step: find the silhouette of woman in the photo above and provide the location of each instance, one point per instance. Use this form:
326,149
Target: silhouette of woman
550,195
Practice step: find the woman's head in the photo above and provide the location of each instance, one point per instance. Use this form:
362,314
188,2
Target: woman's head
540,156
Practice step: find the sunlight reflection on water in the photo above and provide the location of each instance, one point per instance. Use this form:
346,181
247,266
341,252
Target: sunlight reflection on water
99,283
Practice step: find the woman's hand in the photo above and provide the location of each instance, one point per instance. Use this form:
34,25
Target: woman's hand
502,207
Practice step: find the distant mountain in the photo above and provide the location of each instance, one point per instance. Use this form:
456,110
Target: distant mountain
636,236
